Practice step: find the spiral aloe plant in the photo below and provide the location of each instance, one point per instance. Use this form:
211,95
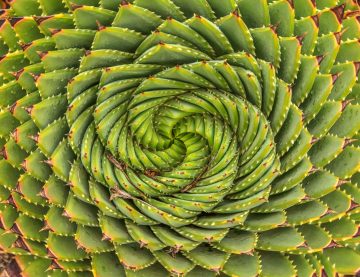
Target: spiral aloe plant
180,138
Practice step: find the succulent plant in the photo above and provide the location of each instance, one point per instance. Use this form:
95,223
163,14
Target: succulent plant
180,138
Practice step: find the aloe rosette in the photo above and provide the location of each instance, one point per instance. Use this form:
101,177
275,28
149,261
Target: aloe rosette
182,138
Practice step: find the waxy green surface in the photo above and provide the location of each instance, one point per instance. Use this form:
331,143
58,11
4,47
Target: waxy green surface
180,138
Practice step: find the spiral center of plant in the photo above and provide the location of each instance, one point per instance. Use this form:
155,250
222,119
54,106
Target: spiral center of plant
175,138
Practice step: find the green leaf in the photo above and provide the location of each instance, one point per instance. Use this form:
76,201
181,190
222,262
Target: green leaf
254,18
346,260
276,264
208,257
107,265
133,257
